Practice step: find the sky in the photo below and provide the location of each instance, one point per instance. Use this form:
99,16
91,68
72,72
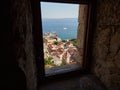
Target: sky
59,10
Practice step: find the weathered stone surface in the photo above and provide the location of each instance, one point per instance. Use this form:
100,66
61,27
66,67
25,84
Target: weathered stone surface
87,82
106,43
82,18
108,12
21,24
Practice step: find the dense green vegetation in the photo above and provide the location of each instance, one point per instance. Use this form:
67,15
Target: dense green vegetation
48,63
48,60
63,40
63,63
74,42
56,43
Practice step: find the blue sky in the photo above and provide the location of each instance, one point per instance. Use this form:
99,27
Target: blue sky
59,10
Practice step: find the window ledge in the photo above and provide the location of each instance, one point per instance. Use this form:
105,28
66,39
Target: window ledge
62,69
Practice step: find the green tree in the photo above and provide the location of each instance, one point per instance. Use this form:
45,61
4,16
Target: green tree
56,43
73,41
63,63
48,60
63,40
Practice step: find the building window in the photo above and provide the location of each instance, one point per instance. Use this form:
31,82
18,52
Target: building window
61,36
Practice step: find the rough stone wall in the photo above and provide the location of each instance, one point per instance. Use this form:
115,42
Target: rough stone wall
106,43
21,30
82,18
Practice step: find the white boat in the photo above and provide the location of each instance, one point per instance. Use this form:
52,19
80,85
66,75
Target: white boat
64,28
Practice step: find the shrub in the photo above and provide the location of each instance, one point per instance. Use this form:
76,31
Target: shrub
73,41
48,60
56,43
63,63
63,40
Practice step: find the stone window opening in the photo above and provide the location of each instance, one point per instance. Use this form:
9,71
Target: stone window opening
82,40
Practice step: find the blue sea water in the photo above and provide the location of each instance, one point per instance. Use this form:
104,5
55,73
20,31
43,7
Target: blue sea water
58,25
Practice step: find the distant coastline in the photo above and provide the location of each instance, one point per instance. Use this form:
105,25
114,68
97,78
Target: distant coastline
58,24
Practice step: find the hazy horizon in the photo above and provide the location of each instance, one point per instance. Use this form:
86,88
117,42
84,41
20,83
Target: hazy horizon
59,18
59,10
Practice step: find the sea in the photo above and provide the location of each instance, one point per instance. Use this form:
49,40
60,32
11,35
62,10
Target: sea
66,28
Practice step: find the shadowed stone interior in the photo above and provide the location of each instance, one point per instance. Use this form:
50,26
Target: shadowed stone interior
87,82
17,45
106,43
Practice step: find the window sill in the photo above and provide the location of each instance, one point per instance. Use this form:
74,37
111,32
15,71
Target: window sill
62,69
